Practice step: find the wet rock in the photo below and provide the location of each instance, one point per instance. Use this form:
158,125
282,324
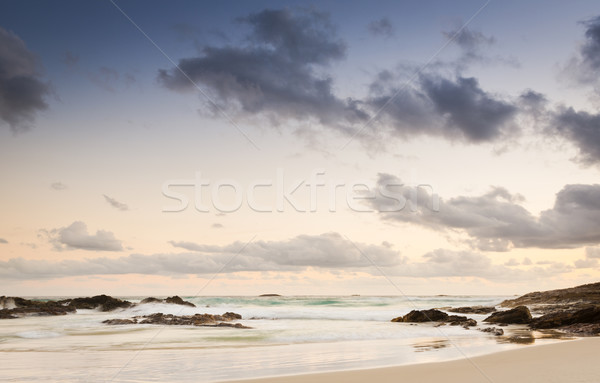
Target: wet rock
589,294
587,315
418,316
150,300
209,320
493,330
518,315
25,307
434,315
178,301
103,302
119,321
473,310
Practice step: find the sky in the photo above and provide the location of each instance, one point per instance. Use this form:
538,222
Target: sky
241,148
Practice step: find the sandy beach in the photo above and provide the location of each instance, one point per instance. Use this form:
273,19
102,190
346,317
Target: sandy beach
567,361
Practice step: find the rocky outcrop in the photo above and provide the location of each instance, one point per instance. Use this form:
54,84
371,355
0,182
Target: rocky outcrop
15,307
102,302
206,320
584,294
175,300
434,315
269,295
473,310
518,315
587,315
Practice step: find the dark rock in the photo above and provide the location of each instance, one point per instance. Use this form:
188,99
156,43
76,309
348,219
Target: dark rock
184,320
589,315
231,316
518,315
589,293
178,301
269,295
473,310
25,307
104,302
150,300
120,321
583,329
493,330
417,316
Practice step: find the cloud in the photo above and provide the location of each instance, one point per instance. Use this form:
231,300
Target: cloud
382,27
582,129
2,240
276,74
449,263
592,252
457,109
76,236
584,67
116,204
22,94
329,251
217,226
325,251
471,44
496,221
58,186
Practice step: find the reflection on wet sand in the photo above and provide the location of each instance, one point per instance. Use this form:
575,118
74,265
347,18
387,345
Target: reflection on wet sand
431,345
528,336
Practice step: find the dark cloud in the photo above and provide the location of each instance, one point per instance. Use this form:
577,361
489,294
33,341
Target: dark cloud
582,129
456,109
58,186
584,67
2,240
277,73
76,236
116,204
496,221
22,94
382,27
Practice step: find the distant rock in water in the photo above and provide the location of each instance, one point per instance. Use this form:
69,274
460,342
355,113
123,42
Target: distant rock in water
518,315
175,300
269,295
103,302
433,315
205,320
473,310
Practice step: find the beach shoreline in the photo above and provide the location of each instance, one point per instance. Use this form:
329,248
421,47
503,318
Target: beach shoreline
564,361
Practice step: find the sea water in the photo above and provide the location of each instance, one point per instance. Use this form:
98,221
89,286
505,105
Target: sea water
289,335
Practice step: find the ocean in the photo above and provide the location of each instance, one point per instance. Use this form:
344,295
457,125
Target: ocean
289,335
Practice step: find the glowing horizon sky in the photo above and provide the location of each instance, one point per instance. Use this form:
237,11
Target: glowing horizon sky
492,107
